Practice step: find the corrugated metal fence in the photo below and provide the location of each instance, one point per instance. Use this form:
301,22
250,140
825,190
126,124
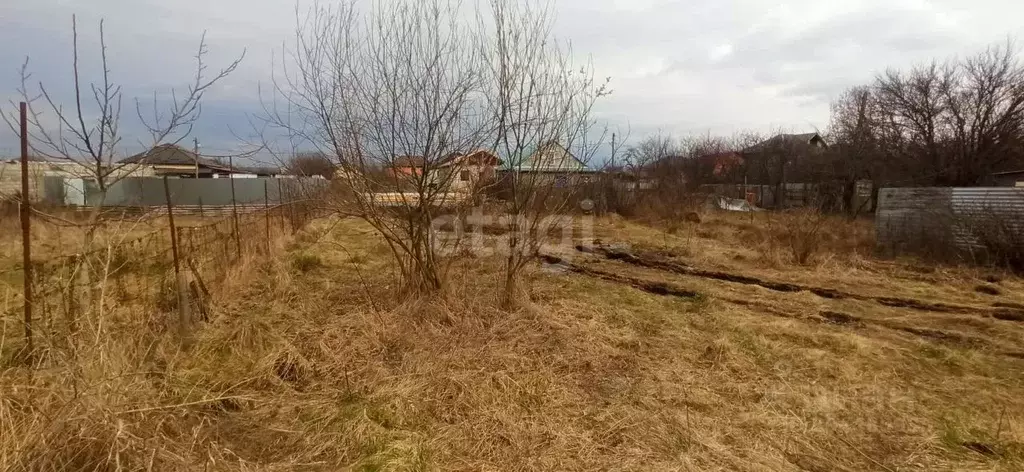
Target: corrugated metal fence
944,221
149,191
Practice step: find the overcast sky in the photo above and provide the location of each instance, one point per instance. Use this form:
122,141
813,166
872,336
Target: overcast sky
678,67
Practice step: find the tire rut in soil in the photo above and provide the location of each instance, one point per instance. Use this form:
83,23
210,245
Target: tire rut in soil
825,316
1000,311
657,288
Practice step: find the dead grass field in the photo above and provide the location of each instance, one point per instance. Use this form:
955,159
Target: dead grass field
657,361
64,236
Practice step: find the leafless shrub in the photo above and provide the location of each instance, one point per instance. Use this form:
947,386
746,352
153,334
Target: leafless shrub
390,97
799,232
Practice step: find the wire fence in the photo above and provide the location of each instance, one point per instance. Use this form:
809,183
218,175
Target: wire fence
141,264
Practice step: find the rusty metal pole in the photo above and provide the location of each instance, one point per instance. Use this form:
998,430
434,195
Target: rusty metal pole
234,208
266,212
26,230
170,221
280,201
179,280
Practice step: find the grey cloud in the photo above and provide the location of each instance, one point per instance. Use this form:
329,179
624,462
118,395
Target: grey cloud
787,59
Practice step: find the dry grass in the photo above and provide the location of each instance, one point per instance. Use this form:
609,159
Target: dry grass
324,370
64,235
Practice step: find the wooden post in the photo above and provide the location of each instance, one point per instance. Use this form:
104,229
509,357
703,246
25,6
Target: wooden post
183,318
26,232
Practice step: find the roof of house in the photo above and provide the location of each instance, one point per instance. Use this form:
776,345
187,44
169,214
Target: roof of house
260,170
482,156
51,160
173,155
570,162
724,156
408,161
790,141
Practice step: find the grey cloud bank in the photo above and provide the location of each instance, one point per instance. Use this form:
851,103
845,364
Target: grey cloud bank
676,66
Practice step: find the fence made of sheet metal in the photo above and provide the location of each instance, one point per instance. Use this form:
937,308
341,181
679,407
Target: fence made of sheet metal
945,221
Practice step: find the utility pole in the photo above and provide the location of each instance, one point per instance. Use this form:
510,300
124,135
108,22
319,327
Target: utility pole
195,150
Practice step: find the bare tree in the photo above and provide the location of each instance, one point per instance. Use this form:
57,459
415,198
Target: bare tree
650,152
910,107
310,163
855,151
540,103
984,97
87,132
398,95
391,96
952,123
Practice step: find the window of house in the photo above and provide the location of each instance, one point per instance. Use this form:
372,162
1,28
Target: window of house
464,175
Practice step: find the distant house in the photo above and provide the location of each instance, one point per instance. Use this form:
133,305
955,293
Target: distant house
721,164
550,162
173,161
407,165
790,143
1012,178
464,172
784,157
552,157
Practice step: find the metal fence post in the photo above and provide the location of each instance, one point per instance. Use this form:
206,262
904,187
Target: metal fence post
234,208
266,212
26,233
179,279
280,201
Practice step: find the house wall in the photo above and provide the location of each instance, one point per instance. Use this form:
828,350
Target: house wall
407,170
555,158
133,171
10,176
474,175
